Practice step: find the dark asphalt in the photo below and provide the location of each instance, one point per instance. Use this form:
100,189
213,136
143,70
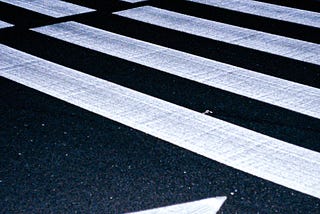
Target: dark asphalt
58,158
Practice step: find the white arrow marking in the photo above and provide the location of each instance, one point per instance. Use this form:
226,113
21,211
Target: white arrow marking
257,40
263,9
205,206
286,94
133,1
4,24
274,160
53,8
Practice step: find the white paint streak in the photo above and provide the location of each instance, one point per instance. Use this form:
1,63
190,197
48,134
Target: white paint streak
274,160
205,206
53,8
286,94
257,40
267,10
4,24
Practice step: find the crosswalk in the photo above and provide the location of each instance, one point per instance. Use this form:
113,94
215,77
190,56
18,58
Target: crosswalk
230,78
54,8
290,165
261,41
267,10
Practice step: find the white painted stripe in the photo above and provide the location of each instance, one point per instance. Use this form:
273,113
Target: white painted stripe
274,44
274,160
205,206
53,8
272,11
283,93
4,24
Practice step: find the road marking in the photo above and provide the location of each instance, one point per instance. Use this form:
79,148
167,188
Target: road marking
267,10
4,24
286,94
53,8
257,40
205,206
133,1
257,154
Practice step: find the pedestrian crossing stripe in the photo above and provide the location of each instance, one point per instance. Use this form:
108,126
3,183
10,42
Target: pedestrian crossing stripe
4,24
53,8
240,148
286,94
267,10
257,40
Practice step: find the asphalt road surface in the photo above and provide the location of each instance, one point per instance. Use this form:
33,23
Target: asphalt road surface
185,106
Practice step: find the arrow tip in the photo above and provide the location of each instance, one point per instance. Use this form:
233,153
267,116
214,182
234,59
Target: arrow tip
204,206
